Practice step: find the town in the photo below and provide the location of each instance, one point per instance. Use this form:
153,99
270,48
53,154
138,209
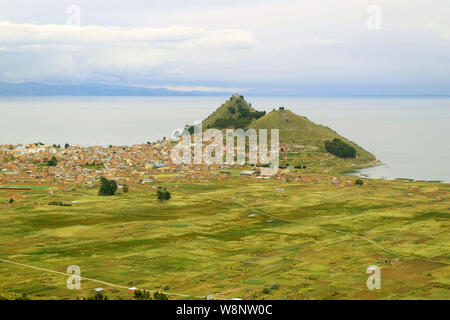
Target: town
140,163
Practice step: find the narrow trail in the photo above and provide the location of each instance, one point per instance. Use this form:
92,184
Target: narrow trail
93,280
322,160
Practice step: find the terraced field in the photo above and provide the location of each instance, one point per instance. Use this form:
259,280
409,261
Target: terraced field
233,238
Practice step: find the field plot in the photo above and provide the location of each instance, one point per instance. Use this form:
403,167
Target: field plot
240,238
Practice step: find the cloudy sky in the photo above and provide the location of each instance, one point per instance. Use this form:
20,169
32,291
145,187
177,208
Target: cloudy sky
257,46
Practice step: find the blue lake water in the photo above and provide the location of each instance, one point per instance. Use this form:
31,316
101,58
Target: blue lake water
411,136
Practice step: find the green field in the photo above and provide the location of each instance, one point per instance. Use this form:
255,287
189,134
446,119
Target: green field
233,238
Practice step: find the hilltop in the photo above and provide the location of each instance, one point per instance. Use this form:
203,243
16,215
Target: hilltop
234,113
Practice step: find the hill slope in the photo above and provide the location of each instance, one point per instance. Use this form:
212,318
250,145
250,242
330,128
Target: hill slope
295,129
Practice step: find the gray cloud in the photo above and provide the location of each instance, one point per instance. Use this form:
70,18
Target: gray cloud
257,44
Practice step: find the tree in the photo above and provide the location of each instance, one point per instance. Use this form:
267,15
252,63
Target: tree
142,295
53,162
97,296
160,296
11,200
66,145
125,188
162,194
340,149
359,182
107,187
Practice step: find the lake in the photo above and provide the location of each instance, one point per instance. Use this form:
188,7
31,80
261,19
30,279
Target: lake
409,135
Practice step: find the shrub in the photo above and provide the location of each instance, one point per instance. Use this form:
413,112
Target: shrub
266,291
59,203
53,162
11,200
125,188
359,182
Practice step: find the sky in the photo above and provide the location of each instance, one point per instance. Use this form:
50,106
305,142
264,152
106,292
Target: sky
286,47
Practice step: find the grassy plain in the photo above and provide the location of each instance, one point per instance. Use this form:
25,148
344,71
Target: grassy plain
232,238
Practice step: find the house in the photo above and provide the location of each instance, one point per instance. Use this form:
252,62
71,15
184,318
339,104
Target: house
99,290
247,172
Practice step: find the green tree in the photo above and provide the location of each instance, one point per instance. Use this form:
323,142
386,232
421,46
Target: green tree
340,149
160,296
53,162
125,188
97,296
162,194
107,187
66,145
359,182
11,200
142,295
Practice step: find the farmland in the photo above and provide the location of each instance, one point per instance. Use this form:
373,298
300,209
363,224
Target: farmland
237,237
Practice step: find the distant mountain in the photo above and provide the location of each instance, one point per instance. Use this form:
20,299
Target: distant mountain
293,129
40,89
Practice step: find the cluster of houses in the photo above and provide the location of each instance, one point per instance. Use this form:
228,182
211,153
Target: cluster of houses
141,163
77,164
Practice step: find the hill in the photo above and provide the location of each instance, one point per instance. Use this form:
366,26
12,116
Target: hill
294,129
234,113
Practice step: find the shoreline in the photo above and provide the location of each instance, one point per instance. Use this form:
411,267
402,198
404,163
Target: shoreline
356,172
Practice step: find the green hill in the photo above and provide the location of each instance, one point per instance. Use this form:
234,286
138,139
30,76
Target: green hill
294,129
234,113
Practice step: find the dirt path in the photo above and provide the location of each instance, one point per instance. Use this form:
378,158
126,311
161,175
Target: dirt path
91,279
